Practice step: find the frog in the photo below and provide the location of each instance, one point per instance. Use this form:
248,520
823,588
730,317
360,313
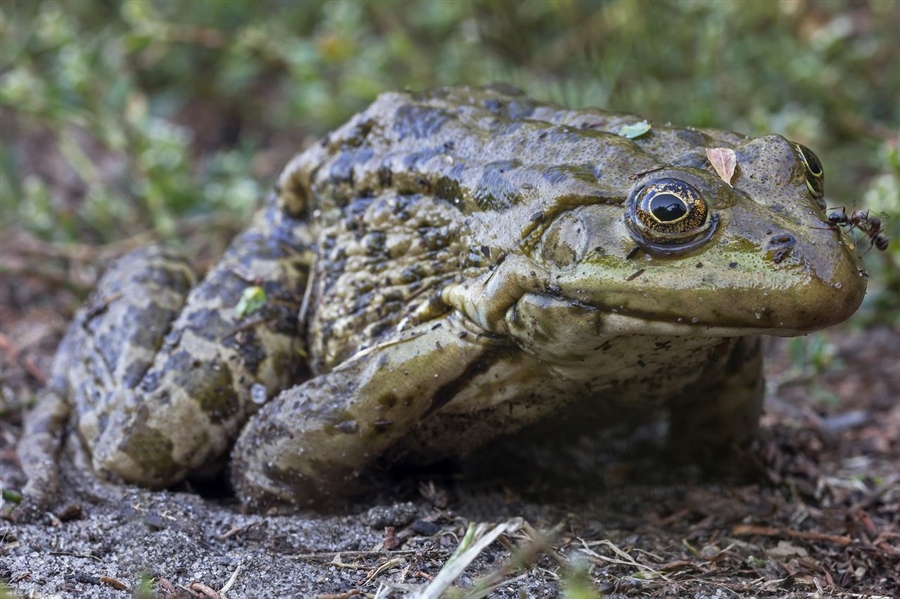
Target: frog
447,268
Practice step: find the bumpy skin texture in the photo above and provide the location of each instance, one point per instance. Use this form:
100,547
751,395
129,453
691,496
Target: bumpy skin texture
469,261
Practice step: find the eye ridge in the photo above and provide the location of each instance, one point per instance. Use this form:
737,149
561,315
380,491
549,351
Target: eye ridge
815,173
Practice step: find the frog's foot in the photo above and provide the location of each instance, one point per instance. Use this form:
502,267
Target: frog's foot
38,454
712,421
486,300
109,350
308,445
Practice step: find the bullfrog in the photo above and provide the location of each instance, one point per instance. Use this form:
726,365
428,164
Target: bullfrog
449,267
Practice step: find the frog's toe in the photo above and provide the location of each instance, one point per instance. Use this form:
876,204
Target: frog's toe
261,486
269,468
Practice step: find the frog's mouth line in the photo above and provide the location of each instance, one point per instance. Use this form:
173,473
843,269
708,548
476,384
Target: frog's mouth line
620,324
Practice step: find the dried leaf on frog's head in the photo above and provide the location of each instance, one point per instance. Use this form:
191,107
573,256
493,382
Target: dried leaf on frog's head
724,161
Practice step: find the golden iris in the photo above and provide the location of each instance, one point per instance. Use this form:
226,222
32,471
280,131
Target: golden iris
668,217
671,206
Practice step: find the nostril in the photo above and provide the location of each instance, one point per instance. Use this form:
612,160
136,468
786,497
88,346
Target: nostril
781,240
780,247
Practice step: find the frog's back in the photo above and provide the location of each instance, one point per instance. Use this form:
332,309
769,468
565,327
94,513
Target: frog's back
483,149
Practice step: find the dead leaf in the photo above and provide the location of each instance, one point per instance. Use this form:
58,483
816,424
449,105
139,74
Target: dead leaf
724,161
786,550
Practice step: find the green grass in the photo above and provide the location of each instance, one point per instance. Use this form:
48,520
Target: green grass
124,116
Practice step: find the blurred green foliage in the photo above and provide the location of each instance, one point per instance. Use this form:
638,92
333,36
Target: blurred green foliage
124,115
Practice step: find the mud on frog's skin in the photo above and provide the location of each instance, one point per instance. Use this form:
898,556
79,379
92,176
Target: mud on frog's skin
464,262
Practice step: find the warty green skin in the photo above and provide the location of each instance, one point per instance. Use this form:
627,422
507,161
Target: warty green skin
461,265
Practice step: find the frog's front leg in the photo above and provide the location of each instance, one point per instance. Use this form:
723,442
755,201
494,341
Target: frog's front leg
486,299
309,443
722,411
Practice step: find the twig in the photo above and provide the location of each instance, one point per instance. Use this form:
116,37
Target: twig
330,555
740,530
230,582
114,583
624,558
385,566
205,590
347,595
236,529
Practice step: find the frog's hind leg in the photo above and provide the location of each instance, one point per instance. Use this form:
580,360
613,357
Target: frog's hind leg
162,374
119,329
721,413
218,361
38,452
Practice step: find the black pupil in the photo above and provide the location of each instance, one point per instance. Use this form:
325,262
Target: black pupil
814,166
812,161
667,207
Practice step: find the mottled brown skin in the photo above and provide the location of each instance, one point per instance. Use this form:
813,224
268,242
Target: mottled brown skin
464,262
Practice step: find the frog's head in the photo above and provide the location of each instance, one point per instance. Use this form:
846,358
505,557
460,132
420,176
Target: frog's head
689,253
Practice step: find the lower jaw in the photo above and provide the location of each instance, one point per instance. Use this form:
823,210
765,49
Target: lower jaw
619,324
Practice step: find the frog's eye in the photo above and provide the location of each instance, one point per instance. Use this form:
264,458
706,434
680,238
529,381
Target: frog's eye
669,217
815,174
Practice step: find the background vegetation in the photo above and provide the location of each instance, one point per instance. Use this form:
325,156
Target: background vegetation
130,116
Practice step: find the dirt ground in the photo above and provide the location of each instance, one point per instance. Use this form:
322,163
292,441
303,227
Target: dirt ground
812,510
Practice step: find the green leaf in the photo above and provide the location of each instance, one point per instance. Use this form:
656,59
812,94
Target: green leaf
251,301
12,496
634,130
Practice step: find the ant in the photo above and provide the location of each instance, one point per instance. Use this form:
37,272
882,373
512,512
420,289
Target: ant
870,225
